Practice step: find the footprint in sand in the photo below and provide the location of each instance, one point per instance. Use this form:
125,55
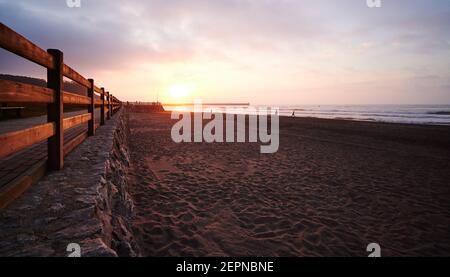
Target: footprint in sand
186,217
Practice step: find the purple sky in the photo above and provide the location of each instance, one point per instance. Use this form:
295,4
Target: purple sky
259,51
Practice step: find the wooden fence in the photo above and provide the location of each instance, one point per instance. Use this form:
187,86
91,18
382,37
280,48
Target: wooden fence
55,97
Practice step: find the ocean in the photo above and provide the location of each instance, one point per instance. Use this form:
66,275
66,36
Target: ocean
409,114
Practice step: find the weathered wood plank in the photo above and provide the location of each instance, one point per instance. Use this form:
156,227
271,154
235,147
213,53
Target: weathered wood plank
98,90
75,76
16,141
21,46
16,92
75,99
76,120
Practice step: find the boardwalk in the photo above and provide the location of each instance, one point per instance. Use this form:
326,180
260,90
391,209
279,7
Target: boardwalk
16,165
23,162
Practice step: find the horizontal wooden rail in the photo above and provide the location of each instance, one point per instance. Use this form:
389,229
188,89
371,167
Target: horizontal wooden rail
98,90
16,141
75,76
15,92
75,99
76,120
21,46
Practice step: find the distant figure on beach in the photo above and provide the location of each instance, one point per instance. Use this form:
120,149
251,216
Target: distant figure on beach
293,113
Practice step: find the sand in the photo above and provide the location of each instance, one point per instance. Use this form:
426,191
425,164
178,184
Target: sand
333,187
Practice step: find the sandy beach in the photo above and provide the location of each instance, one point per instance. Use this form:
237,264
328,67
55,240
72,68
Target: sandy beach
333,187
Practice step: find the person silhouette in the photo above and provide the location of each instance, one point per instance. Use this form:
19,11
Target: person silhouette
293,113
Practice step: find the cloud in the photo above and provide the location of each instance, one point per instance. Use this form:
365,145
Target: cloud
242,40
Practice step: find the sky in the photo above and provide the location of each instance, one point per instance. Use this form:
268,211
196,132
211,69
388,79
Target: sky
272,52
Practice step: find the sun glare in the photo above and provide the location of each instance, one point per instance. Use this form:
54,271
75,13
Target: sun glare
179,91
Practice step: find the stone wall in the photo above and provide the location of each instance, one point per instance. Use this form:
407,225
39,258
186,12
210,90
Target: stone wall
87,203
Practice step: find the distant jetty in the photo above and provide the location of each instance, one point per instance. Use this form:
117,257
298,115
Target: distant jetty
208,104
440,113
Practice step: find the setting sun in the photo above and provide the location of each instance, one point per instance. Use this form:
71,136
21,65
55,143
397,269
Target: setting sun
179,91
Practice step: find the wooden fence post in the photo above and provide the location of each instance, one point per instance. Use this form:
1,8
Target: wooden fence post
108,114
110,105
102,108
107,104
91,108
55,111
